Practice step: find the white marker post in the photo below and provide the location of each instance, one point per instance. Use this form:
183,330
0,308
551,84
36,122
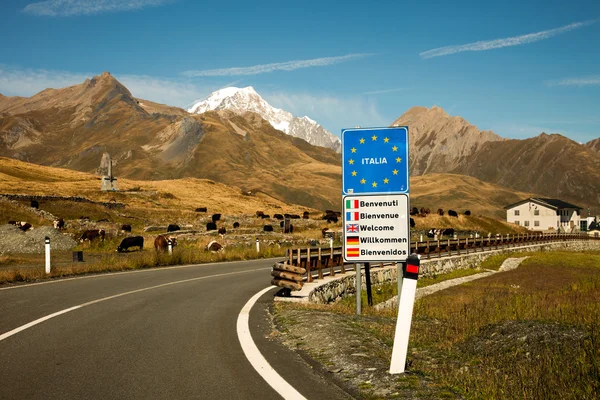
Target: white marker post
331,243
257,246
47,240
170,246
406,302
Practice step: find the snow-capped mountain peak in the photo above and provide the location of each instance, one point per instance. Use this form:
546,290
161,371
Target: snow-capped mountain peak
241,100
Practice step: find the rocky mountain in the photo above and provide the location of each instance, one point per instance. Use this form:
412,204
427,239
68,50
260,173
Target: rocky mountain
594,145
72,127
241,100
551,165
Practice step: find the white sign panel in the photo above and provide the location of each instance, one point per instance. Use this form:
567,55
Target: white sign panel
376,228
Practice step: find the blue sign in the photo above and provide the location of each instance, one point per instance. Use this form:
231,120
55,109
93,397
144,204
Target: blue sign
375,160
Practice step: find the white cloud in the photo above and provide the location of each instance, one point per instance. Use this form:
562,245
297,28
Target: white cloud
281,66
582,81
504,42
333,113
67,8
27,82
385,91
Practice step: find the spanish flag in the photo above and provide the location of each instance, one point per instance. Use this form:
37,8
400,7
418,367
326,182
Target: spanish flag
352,240
352,252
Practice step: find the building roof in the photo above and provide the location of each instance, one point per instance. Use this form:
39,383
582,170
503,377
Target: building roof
554,204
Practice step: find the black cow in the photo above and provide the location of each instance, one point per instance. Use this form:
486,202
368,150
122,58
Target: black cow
173,228
211,226
468,212
236,225
452,213
35,204
331,218
440,212
222,230
201,209
414,211
278,216
294,216
216,217
92,234
125,228
132,241
259,214
265,216
431,233
268,228
305,214
412,223
447,232
25,226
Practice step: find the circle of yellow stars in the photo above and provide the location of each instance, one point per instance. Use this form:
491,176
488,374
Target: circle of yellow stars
374,138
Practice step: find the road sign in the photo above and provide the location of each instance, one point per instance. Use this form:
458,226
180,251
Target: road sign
376,228
375,161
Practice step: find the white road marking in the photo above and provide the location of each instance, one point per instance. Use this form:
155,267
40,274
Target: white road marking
260,364
109,274
89,303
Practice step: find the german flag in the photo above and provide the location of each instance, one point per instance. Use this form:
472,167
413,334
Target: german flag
352,252
352,240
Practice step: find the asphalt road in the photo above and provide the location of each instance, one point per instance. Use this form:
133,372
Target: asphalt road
165,333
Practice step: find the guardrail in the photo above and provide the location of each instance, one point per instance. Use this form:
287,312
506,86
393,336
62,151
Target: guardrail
300,264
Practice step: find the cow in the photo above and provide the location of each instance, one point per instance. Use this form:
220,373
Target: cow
447,232
294,216
305,215
278,216
467,212
327,233
132,241
414,211
12,223
25,226
35,204
268,228
173,228
222,230
452,213
236,225
331,218
59,223
265,216
161,243
259,214
92,234
214,246
216,217
440,212
412,223
211,226
201,209
432,233
289,230
125,228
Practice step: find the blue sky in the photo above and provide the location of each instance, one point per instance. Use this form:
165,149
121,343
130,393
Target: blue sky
515,67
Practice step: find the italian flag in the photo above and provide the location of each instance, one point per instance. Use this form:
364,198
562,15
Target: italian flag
350,204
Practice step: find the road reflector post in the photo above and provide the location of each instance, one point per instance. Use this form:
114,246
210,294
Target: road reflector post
47,245
170,246
406,302
257,246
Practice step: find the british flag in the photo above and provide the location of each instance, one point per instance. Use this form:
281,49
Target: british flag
352,228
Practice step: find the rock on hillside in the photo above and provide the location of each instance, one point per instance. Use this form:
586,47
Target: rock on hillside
439,142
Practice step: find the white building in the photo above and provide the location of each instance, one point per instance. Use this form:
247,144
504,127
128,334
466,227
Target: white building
539,214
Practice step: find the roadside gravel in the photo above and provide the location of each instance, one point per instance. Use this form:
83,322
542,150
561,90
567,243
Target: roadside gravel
15,241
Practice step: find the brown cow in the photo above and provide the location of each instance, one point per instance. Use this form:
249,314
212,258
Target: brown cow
161,243
440,212
92,234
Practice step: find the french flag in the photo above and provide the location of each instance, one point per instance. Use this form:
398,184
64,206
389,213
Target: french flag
351,216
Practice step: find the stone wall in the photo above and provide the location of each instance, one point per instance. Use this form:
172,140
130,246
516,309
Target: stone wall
345,285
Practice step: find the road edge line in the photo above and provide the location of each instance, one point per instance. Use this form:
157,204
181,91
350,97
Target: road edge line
254,356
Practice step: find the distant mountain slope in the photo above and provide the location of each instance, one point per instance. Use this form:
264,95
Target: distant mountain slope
241,100
594,145
74,126
551,165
